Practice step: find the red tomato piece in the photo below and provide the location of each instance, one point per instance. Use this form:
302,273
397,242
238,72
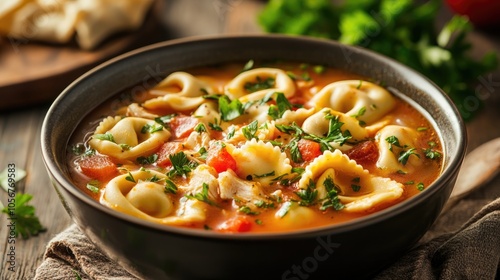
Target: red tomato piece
221,160
309,149
167,149
236,224
181,126
98,167
364,153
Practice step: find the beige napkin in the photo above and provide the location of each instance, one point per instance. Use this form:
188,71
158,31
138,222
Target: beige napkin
471,252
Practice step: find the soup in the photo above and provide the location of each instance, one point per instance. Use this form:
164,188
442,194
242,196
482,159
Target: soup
266,147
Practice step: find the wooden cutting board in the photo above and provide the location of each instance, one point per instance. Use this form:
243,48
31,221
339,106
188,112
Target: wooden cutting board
34,72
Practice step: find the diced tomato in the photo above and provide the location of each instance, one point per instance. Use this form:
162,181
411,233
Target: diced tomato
167,149
364,153
236,224
98,167
221,160
309,149
181,126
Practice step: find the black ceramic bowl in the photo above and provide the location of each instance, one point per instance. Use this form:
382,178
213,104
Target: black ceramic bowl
352,250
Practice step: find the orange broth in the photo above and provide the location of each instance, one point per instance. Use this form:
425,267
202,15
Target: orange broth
264,219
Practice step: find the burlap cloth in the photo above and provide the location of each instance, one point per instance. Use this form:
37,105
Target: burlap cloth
470,252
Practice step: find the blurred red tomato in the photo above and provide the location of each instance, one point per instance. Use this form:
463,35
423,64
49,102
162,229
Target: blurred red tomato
483,13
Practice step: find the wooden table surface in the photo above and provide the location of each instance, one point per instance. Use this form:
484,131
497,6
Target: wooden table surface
20,127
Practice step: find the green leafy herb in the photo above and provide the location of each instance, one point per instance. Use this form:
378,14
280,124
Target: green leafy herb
355,188
258,221
181,165
282,105
404,30
259,84
151,128
230,109
250,130
203,196
319,69
332,200
431,153
200,128
105,137
130,178
247,210
308,195
165,120
263,204
215,126
93,186
420,186
393,141
405,155
203,153
170,187
147,160
360,112
27,223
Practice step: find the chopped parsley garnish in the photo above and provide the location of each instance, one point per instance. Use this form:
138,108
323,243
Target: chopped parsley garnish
393,141
203,196
263,204
203,153
154,179
27,223
200,128
420,186
170,187
430,153
230,133
181,165
124,147
151,128
355,188
264,175
258,221
405,155
332,200
422,128
282,105
308,195
147,160
250,130
105,137
259,84
230,109
165,120
215,126
130,178
247,210
93,186
360,112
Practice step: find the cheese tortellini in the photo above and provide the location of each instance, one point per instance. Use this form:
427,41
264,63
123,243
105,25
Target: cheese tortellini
262,151
365,100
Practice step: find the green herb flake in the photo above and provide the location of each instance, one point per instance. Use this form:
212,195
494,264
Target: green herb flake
93,186
105,137
250,130
258,221
147,160
259,84
247,210
332,200
422,128
230,109
420,186
405,155
181,165
170,187
249,65
200,128
130,178
203,196
355,188
27,223
308,195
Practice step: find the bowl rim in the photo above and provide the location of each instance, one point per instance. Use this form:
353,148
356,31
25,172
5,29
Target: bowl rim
373,218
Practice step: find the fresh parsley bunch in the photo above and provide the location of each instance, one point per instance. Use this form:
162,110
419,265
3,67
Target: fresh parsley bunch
401,29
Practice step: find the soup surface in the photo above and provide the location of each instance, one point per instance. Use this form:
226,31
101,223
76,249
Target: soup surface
255,148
